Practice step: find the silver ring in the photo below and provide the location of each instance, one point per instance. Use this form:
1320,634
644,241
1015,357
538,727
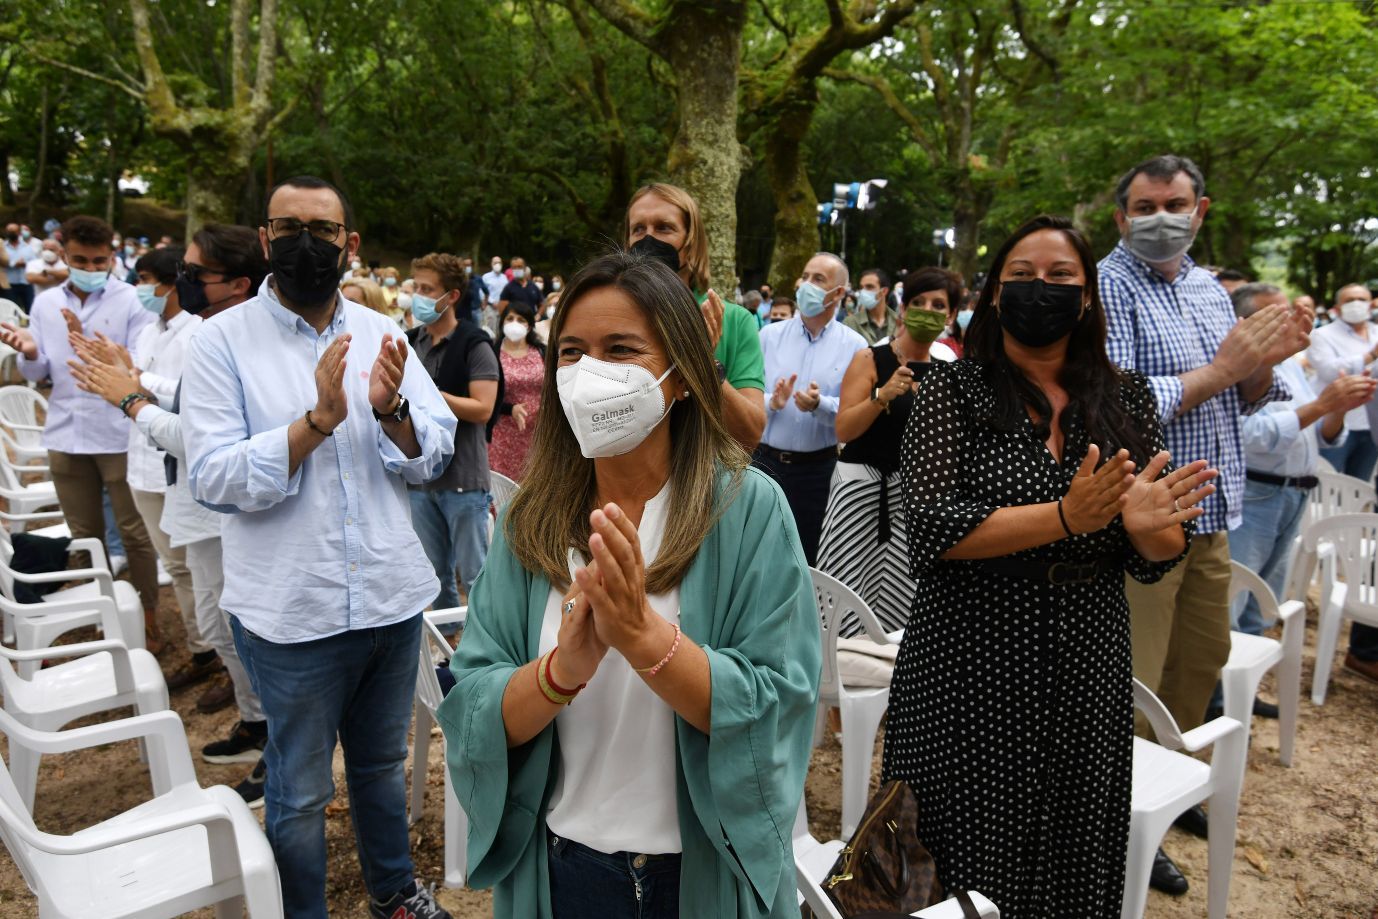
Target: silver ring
567,608
1175,506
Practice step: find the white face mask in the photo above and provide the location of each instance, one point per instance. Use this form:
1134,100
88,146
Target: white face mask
50,256
513,331
1161,237
611,408
1355,311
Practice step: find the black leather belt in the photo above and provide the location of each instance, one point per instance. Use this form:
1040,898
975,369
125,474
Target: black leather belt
1055,573
1304,482
788,456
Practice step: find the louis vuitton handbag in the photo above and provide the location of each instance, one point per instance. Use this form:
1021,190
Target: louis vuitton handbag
884,871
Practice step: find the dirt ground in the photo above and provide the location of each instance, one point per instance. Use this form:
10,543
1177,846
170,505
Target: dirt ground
1307,842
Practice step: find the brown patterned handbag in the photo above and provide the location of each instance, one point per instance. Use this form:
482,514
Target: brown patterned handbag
885,870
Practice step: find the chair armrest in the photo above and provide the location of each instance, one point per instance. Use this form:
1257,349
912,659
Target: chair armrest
1197,739
1290,608
18,426
106,580
119,657
165,725
447,616
107,837
39,516
94,547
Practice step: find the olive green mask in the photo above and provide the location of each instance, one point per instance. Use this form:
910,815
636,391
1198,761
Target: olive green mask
924,325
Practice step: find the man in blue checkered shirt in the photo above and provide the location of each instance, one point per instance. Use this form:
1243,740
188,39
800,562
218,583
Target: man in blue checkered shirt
1172,321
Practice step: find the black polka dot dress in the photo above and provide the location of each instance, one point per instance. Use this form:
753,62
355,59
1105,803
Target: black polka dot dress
1011,712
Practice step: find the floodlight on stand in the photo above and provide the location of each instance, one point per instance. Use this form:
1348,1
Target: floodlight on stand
828,214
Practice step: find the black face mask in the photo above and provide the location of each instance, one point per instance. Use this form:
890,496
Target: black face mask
1037,314
306,270
191,296
658,249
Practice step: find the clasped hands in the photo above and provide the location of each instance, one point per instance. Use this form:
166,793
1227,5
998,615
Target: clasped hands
1145,503
103,368
384,380
610,606
806,400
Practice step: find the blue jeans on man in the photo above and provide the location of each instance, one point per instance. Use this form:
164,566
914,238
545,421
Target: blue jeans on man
453,529
1263,543
1356,455
357,685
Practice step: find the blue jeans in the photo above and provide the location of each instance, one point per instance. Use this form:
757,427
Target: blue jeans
1263,543
113,544
587,884
1356,455
358,685
453,528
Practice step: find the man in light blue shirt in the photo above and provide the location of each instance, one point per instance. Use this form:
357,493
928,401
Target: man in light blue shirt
806,357
305,418
1282,444
19,249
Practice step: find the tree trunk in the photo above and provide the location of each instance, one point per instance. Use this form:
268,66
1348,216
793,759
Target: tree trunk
969,209
215,179
40,171
6,189
796,211
704,51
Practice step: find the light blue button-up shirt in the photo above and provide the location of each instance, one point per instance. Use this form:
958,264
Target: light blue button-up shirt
788,348
330,547
1274,440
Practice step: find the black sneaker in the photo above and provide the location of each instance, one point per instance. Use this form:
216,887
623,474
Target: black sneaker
415,901
251,788
244,745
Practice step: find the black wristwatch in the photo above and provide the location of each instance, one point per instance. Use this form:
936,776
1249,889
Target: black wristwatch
399,414
875,397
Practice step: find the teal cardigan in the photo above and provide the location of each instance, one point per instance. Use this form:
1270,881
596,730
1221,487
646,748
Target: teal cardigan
748,602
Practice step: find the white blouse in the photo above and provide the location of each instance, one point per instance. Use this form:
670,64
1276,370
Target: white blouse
616,788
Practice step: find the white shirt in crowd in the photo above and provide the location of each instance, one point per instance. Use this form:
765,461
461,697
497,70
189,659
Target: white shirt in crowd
1337,349
40,273
616,788
161,351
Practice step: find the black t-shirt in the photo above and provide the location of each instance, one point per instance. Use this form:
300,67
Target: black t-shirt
526,293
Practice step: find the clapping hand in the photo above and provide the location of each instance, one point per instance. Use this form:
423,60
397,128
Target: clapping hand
784,388
1153,504
332,406
807,400
105,380
101,350
19,339
616,583
713,310
385,379
581,650
1097,496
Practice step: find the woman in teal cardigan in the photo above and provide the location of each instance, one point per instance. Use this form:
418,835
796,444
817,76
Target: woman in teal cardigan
646,569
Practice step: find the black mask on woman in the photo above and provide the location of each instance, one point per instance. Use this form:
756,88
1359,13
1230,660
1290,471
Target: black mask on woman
306,270
658,249
1037,314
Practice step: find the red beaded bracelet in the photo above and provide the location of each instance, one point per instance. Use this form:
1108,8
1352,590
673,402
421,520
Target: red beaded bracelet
655,668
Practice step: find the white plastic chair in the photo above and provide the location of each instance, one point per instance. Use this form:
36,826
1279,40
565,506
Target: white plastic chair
813,860
25,458
1167,782
22,497
9,358
503,489
428,699
187,848
100,676
1354,538
1251,656
19,407
54,524
861,708
1336,494
38,625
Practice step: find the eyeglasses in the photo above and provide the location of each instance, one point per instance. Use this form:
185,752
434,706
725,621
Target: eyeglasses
325,230
193,273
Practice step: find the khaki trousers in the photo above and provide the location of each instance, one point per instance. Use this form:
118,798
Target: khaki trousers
1180,628
150,505
78,478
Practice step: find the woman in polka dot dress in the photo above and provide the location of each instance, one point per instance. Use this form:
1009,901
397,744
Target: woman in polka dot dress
1011,711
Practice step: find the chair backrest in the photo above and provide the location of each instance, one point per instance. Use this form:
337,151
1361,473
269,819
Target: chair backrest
15,819
9,477
503,490
428,690
1354,537
1164,725
20,404
1245,580
1340,494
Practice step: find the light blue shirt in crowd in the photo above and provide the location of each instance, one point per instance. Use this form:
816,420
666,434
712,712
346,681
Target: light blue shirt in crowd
331,547
1274,440
788,348
22,251
80,422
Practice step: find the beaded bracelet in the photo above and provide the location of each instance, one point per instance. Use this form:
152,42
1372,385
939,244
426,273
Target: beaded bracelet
131,399
655,668
312,425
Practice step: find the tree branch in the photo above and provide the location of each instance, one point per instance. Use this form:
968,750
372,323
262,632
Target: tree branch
88,74
629,19
778,25
262,104
239,53
162,104
895,104
581,207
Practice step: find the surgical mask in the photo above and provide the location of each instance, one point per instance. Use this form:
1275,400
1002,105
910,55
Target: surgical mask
555,285
540,285
423,308
866,299
1160,237
964,318
650,247
356,265
514,331
50,256
809,298
389,282
404,301
518,273
25,234
129,250
306,270
148,296
1355,311
924,325
611,408
89,281
1036,313
468,270
550,312
496,266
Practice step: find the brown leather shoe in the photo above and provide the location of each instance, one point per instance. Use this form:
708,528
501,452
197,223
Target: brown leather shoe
192,673
217,696
1366,669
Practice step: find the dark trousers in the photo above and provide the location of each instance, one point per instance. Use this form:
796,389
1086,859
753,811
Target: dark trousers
587,884
806,488
21,294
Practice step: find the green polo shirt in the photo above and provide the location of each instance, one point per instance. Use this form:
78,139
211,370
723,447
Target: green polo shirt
739,347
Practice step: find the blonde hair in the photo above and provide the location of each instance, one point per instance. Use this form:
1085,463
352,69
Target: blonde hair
550,512
693,258
373,294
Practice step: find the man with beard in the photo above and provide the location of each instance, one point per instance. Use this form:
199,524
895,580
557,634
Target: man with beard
304,417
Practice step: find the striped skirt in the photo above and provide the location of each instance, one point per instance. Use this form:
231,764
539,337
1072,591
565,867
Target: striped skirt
867,548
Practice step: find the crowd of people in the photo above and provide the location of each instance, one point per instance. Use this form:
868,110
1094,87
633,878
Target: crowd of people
1041,478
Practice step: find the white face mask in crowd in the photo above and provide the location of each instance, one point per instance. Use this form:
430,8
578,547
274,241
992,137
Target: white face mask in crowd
610,407
1355,311
1161,237
514,331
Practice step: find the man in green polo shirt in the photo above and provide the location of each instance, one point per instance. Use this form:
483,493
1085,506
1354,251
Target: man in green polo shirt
663,220
873,317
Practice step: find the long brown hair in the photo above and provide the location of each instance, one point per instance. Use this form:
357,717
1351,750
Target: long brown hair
550,512
693,258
